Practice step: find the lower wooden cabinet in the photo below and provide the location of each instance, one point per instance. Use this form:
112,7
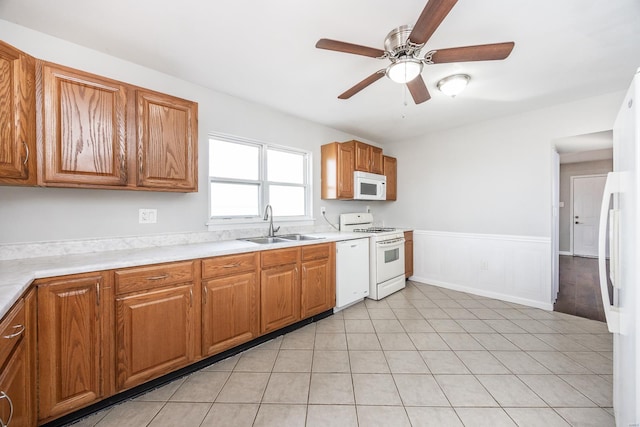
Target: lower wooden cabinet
279,297
104,332
156,320
17,383
15,395
155,333
318,279
408,254
74,317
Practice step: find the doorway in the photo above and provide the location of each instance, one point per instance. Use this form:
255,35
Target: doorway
586,196
580,172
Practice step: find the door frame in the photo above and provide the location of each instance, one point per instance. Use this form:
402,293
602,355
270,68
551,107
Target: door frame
571,216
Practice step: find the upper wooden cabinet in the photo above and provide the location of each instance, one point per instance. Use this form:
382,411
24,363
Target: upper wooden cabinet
368,158
341,159
338,160
84,122
167,142
17,117
100,133
390,168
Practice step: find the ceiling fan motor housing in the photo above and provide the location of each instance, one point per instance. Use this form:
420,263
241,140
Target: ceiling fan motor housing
397,44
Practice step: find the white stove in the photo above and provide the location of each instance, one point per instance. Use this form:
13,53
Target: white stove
386,260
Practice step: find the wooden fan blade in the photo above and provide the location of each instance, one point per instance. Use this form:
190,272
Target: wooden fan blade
430,19
418,89
364,83
484,52
349,48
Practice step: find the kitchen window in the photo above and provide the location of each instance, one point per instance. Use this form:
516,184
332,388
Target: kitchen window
245,176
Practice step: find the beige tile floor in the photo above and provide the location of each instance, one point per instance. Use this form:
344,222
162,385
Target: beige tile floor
425,356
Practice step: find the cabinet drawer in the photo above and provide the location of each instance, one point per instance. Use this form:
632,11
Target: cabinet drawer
280,257
228,265
154,276
316,251
12,329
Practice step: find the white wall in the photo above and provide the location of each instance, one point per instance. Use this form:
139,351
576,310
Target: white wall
46,214
491,182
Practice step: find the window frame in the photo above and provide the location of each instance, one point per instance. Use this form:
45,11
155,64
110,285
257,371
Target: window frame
219,222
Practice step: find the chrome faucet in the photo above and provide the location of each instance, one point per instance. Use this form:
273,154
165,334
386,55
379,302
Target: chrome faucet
268,215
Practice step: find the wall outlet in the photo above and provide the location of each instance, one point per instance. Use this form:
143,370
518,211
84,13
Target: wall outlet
147,216
323,210
484,264
368,209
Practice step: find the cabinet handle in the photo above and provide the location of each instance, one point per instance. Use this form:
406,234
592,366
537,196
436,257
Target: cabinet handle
162,276
97,293
206,292
26,147
237,264
4,395
190,297
15,334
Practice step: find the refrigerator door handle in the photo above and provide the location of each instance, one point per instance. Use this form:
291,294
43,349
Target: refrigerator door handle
611,312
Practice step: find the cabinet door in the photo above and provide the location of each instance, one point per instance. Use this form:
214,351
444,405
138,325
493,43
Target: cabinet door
17,115
167,142
70,333
279,297
15,383
84,128
155,334
391,171
317,292
346,159
229,312
362,157
375,158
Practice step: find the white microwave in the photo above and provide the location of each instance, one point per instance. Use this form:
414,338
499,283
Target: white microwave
369,186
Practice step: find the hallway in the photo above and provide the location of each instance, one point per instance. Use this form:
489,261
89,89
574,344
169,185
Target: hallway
579,288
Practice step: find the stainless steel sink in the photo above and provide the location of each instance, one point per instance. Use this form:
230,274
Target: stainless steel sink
299,237
265,240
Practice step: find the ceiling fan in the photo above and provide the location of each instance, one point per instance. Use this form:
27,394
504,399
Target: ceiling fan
402,47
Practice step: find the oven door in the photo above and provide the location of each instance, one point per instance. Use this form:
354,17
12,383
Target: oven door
389,259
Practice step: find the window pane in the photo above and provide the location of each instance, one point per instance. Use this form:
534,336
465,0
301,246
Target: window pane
233,160
284,166
234,199
286,201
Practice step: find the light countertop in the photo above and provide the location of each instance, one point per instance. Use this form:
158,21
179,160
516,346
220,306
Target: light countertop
17,275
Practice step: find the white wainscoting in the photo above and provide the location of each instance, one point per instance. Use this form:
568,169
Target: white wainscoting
510,268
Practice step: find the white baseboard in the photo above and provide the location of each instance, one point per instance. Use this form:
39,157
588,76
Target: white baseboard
484,293
568,253
511,268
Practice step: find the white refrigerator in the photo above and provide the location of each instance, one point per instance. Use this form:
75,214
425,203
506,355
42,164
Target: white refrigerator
620,219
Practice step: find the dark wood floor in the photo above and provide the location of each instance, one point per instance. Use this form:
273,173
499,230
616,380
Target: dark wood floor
580,288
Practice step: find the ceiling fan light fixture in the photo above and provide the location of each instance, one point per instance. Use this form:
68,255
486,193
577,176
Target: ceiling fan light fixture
453,85
404,70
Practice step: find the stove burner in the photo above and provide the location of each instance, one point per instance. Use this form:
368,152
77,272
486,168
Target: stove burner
374,230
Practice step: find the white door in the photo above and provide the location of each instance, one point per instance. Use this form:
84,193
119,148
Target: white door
587,195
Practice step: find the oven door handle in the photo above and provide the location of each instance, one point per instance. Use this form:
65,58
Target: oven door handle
396,242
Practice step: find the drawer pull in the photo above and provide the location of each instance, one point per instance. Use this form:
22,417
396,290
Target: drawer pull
13,335
4,395
162,276
234,265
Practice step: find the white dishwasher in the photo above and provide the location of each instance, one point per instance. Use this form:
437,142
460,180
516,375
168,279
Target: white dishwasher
352,271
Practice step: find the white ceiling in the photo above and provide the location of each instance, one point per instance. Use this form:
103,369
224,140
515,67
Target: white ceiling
264,51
